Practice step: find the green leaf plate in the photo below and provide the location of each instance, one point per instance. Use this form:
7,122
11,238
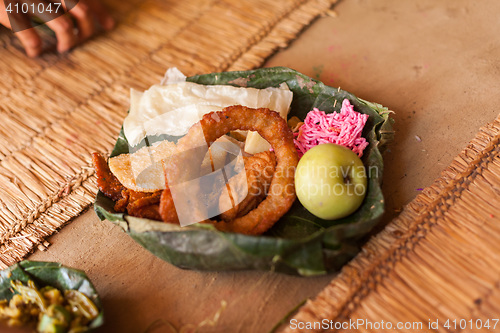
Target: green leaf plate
299,243
50,274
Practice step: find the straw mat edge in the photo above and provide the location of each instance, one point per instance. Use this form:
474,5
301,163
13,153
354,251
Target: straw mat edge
56,110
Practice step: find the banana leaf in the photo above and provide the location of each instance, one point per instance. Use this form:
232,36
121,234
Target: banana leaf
300,243
50,274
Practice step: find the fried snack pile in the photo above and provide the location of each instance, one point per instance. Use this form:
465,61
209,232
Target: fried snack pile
269,176
140,204
48,308
259,171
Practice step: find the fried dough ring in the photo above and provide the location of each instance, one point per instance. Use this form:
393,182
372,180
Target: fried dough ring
272,128
259,170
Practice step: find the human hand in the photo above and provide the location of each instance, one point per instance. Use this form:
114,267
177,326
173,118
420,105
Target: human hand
16,14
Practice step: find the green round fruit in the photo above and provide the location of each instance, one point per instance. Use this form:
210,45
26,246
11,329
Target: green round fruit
330,181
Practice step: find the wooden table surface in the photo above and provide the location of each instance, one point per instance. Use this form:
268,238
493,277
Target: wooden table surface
436,64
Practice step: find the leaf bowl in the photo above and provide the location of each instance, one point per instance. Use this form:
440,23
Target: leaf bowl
299,243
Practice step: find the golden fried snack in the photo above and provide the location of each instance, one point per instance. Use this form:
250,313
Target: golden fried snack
144,205
106,181
142,171
167,209
259,171
139,204
273,129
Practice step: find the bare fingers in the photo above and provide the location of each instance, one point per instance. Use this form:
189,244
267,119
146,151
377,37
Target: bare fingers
65,32
100,13
84,19
84,12
31,42
29,38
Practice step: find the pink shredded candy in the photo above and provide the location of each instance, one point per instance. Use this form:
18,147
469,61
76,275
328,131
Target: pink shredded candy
342,128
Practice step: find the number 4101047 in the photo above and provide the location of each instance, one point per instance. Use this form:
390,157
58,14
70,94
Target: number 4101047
471,324
32,8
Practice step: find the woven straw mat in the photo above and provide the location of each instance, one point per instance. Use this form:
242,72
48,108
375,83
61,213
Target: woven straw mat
438,260
56,110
